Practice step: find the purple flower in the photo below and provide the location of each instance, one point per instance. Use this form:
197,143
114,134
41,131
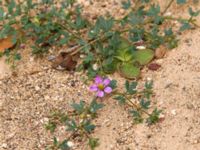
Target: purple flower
101,86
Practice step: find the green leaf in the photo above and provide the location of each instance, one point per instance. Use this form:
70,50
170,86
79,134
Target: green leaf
71,125
144,104
129,71
79,107
137,117
123,51
1,14
94,106
80,22
185,26
145,1
135,18
50,126
193,13
154,11
109,65
149,85
89,58
113,84
17,56
55,141
11,7
105,24
121,99
126,4
154,116
144,56
64,145
93,143
88,126
130,87
181,1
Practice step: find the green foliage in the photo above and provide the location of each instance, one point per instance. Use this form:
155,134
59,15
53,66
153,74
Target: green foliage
130,87
79,122
121,99
144,56
129,71
113,84
154,116
181,1
93,143
139,109
103,42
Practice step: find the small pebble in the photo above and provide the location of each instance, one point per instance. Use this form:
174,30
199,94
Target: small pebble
4,145
173,112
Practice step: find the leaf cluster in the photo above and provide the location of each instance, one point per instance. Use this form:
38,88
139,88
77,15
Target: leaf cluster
139,102
77,122
110,43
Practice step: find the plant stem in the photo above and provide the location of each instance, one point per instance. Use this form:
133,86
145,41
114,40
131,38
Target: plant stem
168,6
192,21
131,103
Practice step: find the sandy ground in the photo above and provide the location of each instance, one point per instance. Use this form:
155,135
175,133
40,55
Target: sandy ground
27,98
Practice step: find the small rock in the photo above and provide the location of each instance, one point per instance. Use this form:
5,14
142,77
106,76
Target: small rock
31,59
173,112
141,47
51,58
190,106
4,145
70,144
37,88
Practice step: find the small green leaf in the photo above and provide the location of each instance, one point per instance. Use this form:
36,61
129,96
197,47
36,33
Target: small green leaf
79,107
121,99
50,126
88,126
94,106
71,125
185,26
113,84
144,104
193,13
131,87
17,56
105,24
129,71
93,143
144,56
181,1
55,141
137,117
126,4
154,116
64,145
109,65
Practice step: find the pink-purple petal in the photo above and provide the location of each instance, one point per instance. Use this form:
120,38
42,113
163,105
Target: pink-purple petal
106,82
108,90
100,93
98,80
93,88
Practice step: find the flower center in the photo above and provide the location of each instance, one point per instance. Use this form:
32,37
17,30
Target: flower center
101,87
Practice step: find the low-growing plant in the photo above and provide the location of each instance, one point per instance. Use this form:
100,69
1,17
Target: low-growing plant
109,43
104,46
139,102
79,121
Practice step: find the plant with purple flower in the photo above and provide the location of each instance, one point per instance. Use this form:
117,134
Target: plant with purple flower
101,86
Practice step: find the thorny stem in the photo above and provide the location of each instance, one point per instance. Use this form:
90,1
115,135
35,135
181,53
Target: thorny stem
168,6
